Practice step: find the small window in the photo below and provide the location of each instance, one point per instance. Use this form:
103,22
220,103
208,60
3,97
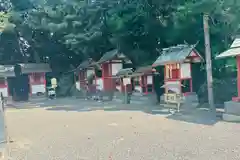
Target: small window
76,77
136,81
172,71
98,73
150,88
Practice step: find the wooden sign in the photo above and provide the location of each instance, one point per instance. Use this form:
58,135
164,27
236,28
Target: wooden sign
54,82
126,81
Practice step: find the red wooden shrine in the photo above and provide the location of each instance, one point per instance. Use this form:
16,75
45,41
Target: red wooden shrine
144,79
85,69
111,63
177,63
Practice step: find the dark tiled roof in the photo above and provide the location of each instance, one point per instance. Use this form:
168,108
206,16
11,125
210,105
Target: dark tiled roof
8,70
125,71
85,64
144,69
174,54
108,56
112,55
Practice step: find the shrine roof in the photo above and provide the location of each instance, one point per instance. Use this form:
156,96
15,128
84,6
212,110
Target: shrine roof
85,64
125,71
144,69
8,70
111,55
175,54
233,51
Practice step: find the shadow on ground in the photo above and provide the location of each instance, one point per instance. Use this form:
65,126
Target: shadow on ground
197,116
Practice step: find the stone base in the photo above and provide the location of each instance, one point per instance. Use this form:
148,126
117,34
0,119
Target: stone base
232,107
190,102
191,98
231,111
230,118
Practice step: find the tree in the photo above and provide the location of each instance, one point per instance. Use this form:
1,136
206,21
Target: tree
140,29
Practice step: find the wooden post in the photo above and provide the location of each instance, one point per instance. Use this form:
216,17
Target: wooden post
208,63
238,75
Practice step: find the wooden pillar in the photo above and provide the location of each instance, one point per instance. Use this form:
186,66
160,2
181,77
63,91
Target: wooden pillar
82,77
45,81
238,75
141,82
145,84
122,85
30,76
106,75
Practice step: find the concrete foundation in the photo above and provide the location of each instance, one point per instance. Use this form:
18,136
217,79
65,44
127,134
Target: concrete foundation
231,111
190,98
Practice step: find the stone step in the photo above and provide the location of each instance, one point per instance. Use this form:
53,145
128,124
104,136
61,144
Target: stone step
232,108
230,117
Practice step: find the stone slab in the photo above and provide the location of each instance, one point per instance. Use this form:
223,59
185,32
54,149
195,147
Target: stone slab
230,118
232,108
191,98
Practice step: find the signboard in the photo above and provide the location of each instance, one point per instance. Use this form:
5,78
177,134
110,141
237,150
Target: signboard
54,82
126,81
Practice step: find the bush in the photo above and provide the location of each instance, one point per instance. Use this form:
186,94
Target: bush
223,90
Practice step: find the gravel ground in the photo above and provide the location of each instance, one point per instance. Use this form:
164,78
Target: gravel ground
41,134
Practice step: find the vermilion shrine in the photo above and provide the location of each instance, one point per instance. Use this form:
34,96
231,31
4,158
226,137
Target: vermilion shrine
111,62
177,62
124,73
144,79
35,78
85,69
232,108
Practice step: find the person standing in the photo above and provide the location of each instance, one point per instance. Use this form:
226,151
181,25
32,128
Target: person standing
158,81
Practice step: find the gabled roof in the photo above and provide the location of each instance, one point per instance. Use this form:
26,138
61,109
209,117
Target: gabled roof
111,55
85,64
233,51
124,72
8,70
175,54
144,69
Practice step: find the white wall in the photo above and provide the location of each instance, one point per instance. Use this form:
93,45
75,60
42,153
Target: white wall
116,67
149,79
173,85
38,88
99,83
78,85
138,88
118,87
186,70
90,72
4,91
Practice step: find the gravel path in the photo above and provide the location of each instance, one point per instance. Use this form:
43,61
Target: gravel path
41,134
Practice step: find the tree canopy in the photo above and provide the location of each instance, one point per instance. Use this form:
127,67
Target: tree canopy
70,31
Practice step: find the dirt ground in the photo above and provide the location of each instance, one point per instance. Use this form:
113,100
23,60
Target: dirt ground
58,133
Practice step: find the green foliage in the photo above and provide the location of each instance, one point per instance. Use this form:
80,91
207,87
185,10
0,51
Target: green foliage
139,28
